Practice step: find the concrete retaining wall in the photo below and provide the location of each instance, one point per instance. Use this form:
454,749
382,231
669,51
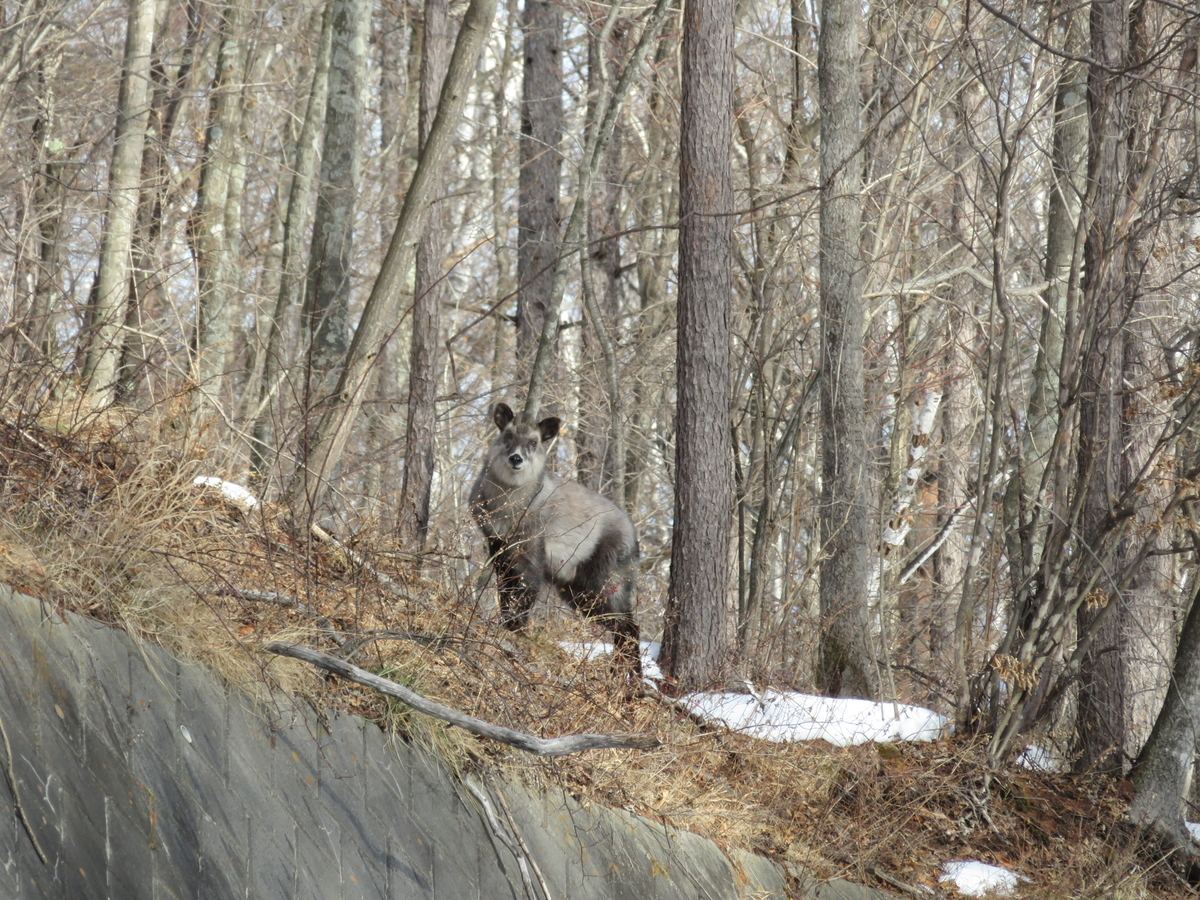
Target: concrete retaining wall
142,777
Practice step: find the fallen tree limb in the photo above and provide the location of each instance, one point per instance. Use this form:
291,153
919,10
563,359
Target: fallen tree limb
560,746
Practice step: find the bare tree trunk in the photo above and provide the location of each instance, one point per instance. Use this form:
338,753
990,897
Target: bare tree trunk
960,419
1108,450
214,245
327,298
424,367
1163,770
124,189
598,134
654,250
323,451
146,300
541,163
34,333
1032,489
1068,170
397,39
601,425
846,667
698,634
500,185
291,274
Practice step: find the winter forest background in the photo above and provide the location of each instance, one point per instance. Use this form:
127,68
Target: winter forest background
947,264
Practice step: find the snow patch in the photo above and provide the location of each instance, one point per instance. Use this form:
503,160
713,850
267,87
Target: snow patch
786,716
1039,759
234,493
975,879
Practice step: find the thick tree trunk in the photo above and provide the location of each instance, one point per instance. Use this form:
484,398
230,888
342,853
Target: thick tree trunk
1102,715
1163,770
538,214
698,636
124,189
327,298
846,666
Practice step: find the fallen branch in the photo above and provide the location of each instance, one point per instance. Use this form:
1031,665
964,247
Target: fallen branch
910,889
560,746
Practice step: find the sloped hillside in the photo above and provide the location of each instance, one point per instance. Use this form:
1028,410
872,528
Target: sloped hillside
108,521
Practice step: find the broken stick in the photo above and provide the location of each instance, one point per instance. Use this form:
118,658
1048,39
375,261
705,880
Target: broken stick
560,746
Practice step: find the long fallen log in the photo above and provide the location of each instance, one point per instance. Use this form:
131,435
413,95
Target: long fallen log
559,746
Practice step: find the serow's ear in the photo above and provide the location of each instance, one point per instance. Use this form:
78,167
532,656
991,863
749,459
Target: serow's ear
502,415
549,428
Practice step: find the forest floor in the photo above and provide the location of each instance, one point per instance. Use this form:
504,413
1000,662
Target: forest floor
114,527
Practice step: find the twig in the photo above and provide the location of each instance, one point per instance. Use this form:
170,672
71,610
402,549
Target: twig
518,850
287,601
516,832
560,746
909,570
652,691
361,561
874,870
355,645
12,783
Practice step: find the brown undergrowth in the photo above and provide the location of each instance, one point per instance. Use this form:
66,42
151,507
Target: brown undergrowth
101,516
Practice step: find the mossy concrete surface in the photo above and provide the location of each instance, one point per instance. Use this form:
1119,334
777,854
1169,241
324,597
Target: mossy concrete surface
140,776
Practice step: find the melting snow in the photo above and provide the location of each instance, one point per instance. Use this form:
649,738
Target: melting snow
975,879
788,716
233,492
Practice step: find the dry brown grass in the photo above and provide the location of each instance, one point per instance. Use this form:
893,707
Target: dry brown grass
105,520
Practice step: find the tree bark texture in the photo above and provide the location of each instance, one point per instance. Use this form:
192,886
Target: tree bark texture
598,134
124,190
846,666
1164,767
214,245
600,427
290,296
327,299
324,449
538,216
424,365
698,639
1112,440
40,271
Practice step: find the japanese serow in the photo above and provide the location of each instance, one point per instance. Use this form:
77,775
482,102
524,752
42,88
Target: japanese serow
542,530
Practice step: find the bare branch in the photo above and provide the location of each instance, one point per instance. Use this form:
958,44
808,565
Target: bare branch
560,746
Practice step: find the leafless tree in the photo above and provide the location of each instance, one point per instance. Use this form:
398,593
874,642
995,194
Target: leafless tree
698,630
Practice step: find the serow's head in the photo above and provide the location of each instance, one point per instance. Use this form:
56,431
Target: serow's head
519,451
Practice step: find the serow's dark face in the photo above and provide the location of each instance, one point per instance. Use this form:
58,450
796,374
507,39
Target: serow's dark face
518,456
